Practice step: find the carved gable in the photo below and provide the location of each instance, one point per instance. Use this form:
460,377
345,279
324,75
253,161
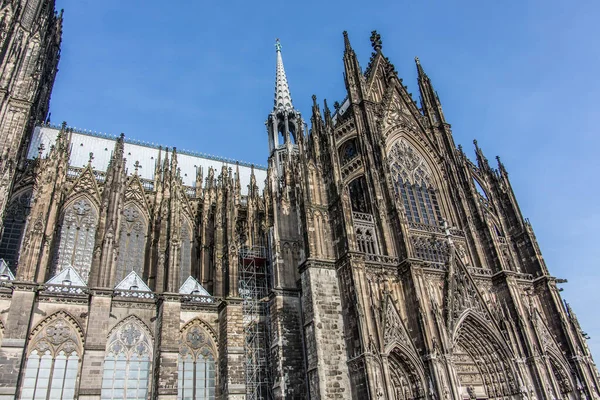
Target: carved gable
394,330
398,114
135,193
462,294
86,184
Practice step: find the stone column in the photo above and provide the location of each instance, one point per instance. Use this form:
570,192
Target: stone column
327,369
90,381
169,347
14,342
287,354
232,375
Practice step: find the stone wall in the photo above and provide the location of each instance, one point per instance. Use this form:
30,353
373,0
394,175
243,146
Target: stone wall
323,329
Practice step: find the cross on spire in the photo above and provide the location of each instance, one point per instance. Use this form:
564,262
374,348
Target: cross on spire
91,158
137,166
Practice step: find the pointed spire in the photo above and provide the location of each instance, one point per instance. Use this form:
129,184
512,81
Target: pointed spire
501,167
283,97
482,162
421,73
347,46
430,103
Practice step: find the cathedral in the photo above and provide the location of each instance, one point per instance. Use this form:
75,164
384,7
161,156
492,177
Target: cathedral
369,259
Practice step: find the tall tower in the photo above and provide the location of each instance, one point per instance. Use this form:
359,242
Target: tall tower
285,129
30,37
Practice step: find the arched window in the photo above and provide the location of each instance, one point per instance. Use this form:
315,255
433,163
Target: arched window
127,362
196,364
132,242
185,263
52,365
77,235
359,195
413,184
14,225
348,151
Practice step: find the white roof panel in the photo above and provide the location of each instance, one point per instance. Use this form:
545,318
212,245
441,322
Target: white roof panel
145,153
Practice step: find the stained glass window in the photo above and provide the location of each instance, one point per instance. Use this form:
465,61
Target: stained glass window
132,243
196,377
52,364
77,235
127,362
14,225
413,185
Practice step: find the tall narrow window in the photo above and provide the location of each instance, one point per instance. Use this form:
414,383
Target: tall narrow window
185,263
132,242
196,364
359,195
14,225
77,235
52,365
413,185
127,362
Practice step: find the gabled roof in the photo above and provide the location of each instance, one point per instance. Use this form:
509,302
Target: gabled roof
192,286
67,277
133,282
5,272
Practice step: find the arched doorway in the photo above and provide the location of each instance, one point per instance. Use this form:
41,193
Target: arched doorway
481,361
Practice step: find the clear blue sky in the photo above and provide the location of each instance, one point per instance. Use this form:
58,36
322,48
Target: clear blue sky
520,76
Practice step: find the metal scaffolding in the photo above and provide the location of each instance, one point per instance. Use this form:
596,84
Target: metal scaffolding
253,289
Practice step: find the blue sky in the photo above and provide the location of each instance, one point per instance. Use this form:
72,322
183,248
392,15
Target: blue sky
520,76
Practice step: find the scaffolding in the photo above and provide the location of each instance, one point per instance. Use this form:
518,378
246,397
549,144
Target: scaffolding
253,289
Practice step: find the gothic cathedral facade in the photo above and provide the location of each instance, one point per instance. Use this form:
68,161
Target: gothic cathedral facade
370,259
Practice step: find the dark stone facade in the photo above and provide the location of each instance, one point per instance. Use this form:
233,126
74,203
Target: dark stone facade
378,262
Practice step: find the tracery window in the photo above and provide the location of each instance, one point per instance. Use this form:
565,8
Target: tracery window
15,217
366,240
359,195
413,184
132,243
52,364
77,235
127,362
348,151
185,263
431,249
196,364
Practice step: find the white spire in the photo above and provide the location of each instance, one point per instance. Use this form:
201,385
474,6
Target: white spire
283,98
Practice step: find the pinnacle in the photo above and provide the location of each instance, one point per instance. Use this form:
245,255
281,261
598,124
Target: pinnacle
283,97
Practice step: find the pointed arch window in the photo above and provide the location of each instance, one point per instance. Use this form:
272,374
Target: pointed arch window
413,185
77,236
132,242
185,263
127,363
15,217
52,366
196,364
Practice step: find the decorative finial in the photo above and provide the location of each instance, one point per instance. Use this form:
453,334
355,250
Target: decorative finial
417,60
137,166
447,232
41,148
91,158
376,41
277,45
